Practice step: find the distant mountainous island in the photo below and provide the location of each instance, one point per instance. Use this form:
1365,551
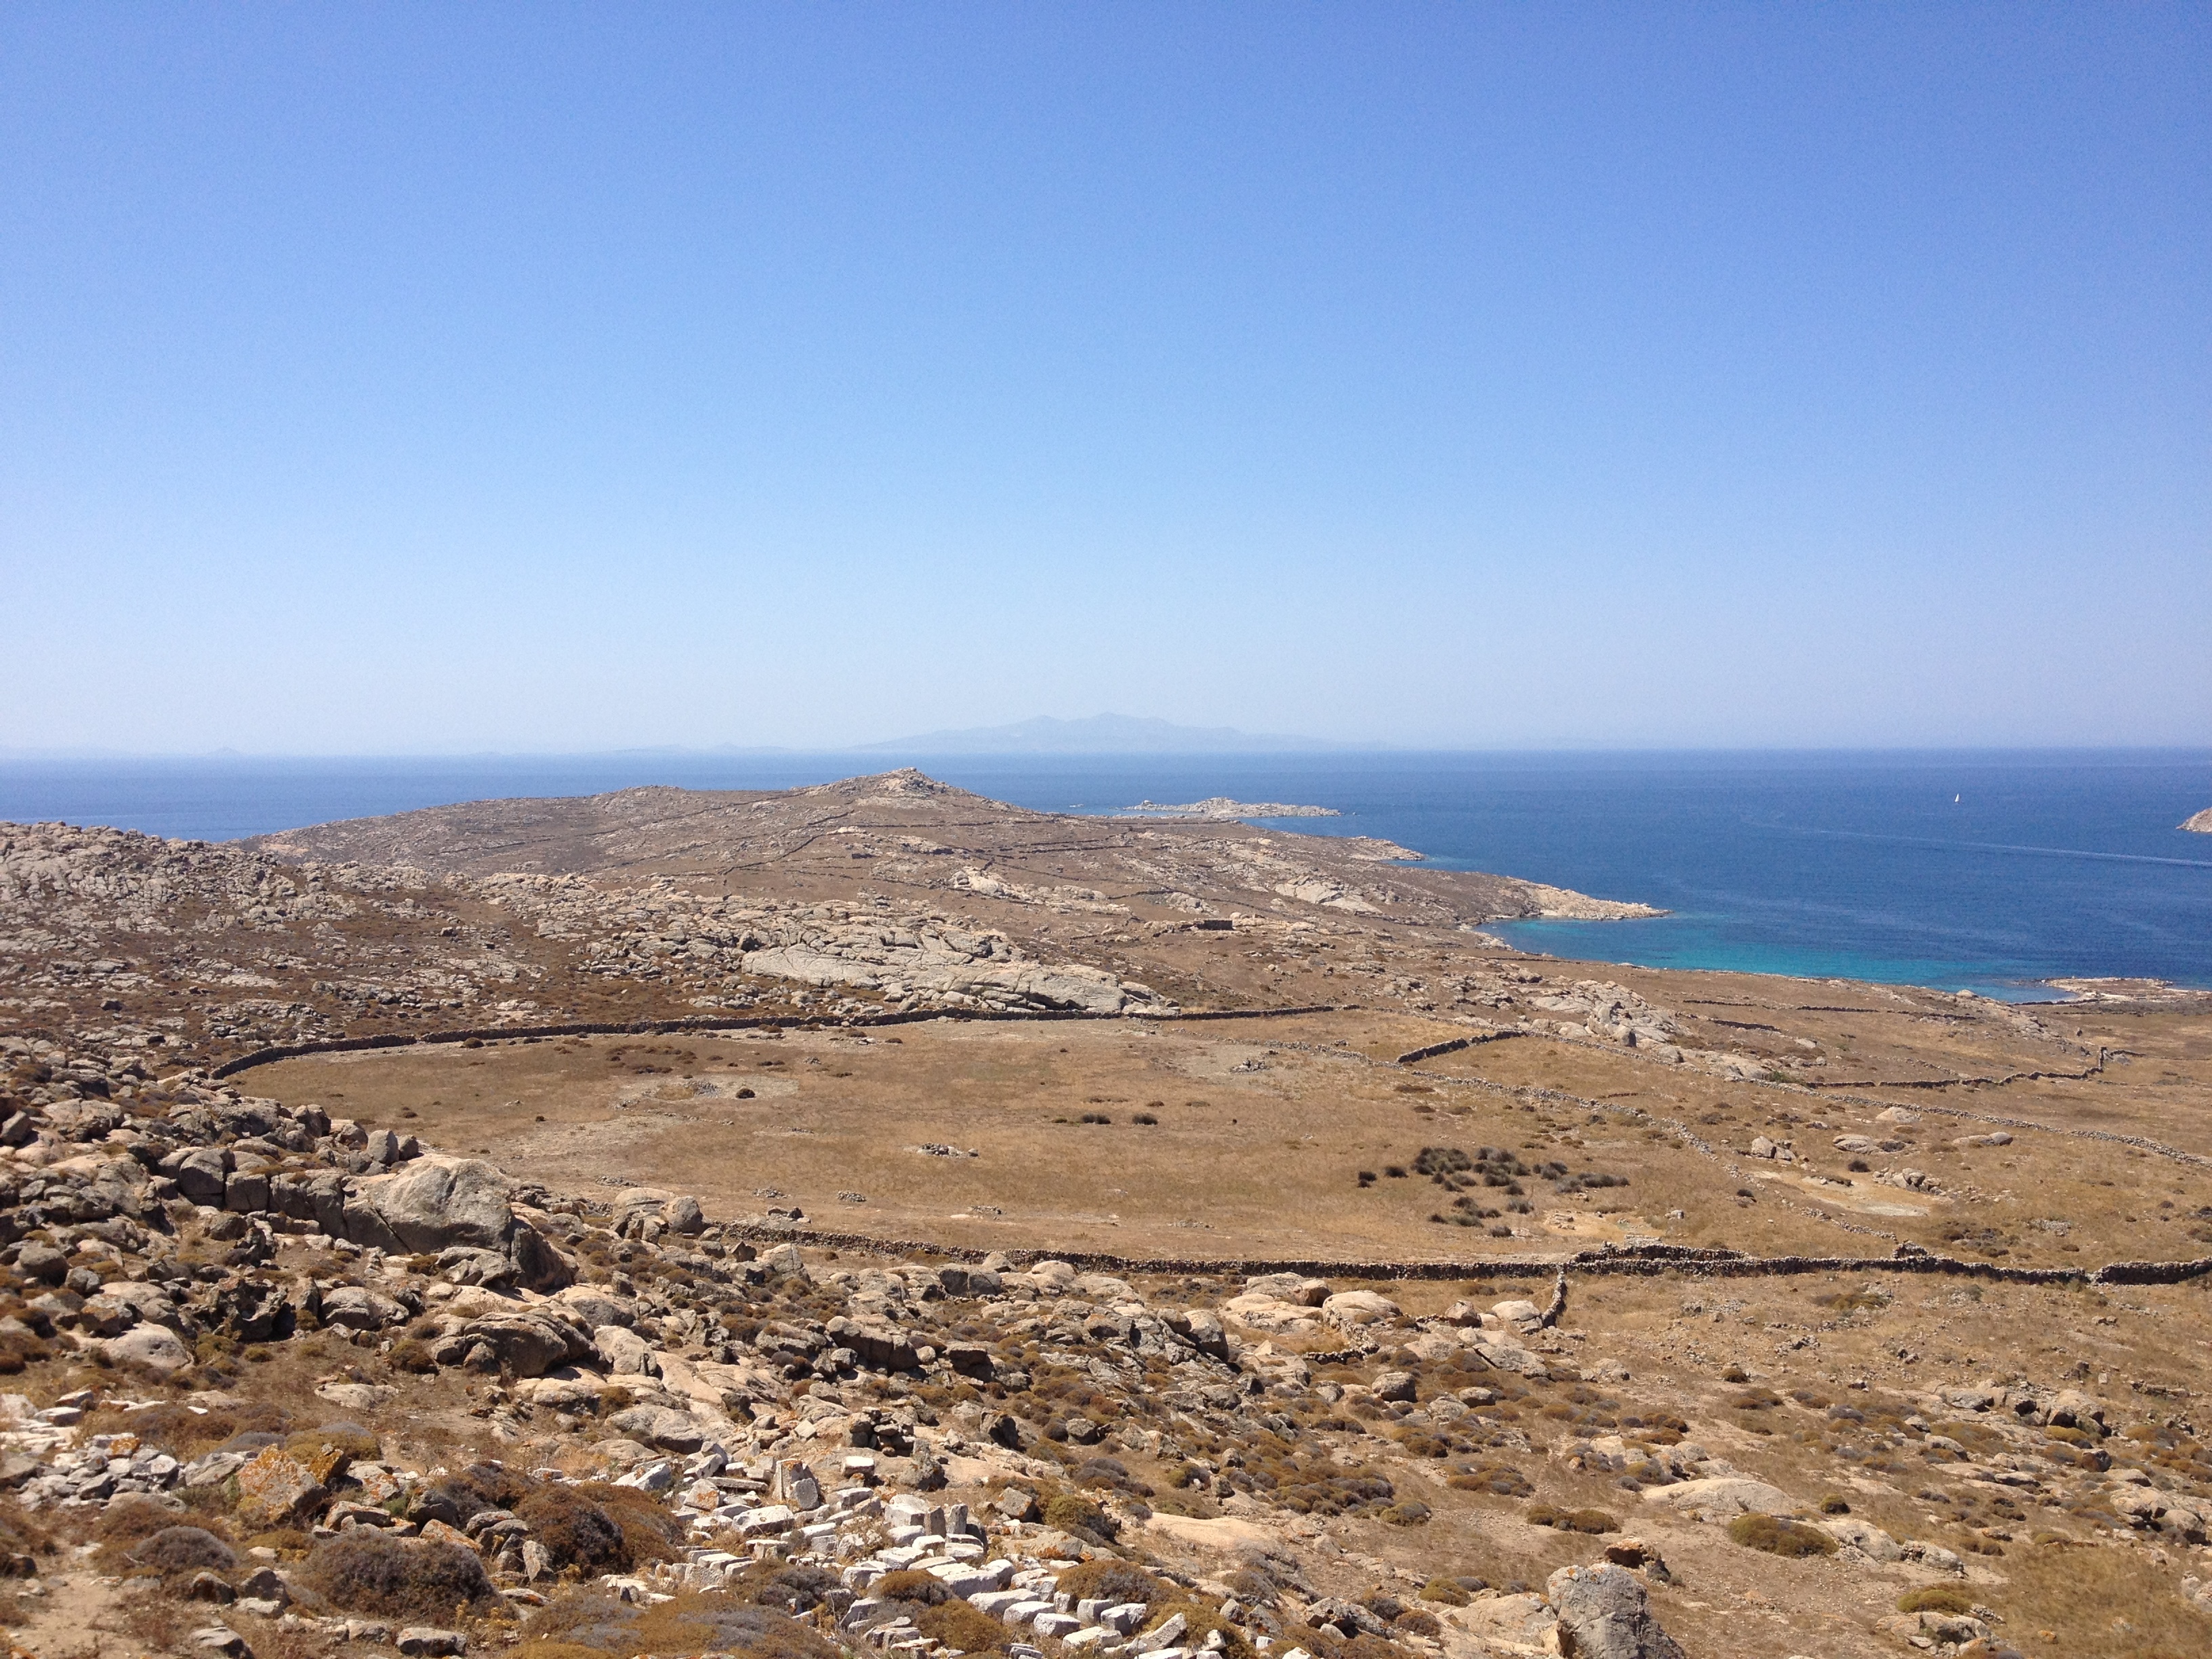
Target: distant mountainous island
2201,823
1105,734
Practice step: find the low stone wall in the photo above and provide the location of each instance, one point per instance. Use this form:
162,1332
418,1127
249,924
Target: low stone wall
1414,1056
712,1023
1643,1262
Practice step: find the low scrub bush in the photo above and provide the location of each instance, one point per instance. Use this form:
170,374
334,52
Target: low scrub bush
649,1532
185,1434
1109,1474
1594,1522
1935,1598
1111,1580
1314,1492
132,1519
183,1549
1443,1590
20,1534
575,1531
1199,1619
363,1570
786,1586
1498,1480
964,1629
481,1487
592,1625
1071,1512
1778,1536
19,1349
411,1354
922,1588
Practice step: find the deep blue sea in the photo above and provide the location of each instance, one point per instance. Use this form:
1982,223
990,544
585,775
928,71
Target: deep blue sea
1993,872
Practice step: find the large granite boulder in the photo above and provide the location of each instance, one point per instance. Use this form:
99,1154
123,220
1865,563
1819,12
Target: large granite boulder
150,1345
678,1212
1604,1613
528,1341
434,1203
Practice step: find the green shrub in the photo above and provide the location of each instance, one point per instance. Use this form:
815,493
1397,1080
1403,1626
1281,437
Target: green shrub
1443,1590
1777,1535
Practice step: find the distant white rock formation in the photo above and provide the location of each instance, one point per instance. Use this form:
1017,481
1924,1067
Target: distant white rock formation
1220,806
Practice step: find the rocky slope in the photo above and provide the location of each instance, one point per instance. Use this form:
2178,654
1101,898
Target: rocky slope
299,1387
907,1455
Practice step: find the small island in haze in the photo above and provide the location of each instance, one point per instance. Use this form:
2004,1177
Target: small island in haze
1105,734
1220,806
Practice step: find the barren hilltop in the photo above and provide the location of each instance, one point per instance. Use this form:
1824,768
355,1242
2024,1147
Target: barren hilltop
874,1216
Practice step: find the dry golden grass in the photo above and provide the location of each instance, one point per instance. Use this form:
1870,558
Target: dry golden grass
1263,1127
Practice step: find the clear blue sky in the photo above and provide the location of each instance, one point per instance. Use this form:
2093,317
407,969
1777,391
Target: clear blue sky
390,377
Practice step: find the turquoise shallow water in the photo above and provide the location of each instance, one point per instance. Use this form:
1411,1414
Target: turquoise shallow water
1993,872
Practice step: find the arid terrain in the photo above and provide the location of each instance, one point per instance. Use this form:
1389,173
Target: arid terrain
856,1217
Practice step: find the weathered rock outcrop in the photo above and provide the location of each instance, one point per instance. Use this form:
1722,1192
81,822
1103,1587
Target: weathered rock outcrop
1604,1613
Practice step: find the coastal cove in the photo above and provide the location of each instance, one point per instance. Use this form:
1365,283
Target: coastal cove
1991,871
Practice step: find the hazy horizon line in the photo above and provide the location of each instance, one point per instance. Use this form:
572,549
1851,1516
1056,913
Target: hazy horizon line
1372,750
